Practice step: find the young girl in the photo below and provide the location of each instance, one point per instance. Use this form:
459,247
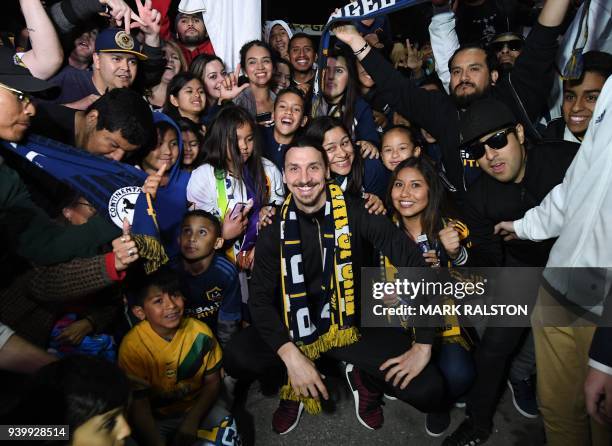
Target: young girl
236,181
416,200
185,97
258,98
192,144
398,143
366,178
175,63
341,99
167,182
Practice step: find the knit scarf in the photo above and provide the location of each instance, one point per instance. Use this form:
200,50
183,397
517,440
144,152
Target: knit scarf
335,327
451,331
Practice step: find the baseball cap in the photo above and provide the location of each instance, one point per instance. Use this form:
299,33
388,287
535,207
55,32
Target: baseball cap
116,40
15,75
484,116
507,37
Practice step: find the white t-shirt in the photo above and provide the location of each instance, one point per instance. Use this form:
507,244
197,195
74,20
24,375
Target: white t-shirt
202,188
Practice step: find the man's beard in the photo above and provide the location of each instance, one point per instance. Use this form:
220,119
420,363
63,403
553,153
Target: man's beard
506,67
465,101
194,39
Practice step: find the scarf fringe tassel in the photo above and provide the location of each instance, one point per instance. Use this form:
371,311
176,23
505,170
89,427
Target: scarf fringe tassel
332,339
151,250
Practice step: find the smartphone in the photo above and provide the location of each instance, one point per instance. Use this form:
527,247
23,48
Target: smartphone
237,211
263,117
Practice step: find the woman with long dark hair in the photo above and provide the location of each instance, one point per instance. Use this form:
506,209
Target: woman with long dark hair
339,84
416,199
367,178
235,180
185,97
258,99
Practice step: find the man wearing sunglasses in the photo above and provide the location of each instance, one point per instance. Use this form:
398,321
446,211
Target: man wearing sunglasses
517,176
507,47
472,76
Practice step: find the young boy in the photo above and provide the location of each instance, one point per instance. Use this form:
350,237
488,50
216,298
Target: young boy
175,363
289,117
208,281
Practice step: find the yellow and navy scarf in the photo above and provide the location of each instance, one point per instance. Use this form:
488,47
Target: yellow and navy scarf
336,326
451,332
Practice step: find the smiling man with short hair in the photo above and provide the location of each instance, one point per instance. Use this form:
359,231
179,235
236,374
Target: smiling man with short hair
318,227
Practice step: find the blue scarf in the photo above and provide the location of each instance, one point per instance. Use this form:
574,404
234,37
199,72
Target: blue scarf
114,189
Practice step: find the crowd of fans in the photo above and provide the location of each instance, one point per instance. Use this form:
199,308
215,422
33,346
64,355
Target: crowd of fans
270,187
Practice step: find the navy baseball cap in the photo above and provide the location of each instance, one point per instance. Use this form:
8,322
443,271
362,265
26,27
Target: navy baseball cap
14,74
116,40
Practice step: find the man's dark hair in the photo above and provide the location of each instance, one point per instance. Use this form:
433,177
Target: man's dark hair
305,141
206,215
302,36
71,391
125,110
491,59
431,79
594,62
290,89
139,284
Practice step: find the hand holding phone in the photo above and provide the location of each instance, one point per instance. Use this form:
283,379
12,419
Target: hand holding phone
237,211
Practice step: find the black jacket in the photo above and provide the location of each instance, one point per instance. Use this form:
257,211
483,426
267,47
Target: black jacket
600,346
490,201
525,91
555,129
265,299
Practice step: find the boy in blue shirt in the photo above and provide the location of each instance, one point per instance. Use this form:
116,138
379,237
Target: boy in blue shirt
209,282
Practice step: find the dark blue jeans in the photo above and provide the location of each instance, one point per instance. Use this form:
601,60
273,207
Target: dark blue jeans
457,367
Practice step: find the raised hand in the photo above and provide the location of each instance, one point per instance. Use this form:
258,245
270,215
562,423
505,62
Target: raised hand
414,57
121,13
374,204
149,23
125,249
449,237
368,150
229,88
153,181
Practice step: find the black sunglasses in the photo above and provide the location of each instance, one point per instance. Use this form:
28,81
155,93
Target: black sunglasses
513,45
499,140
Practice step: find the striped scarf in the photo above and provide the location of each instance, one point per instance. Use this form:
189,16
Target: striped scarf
335,326
451,331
